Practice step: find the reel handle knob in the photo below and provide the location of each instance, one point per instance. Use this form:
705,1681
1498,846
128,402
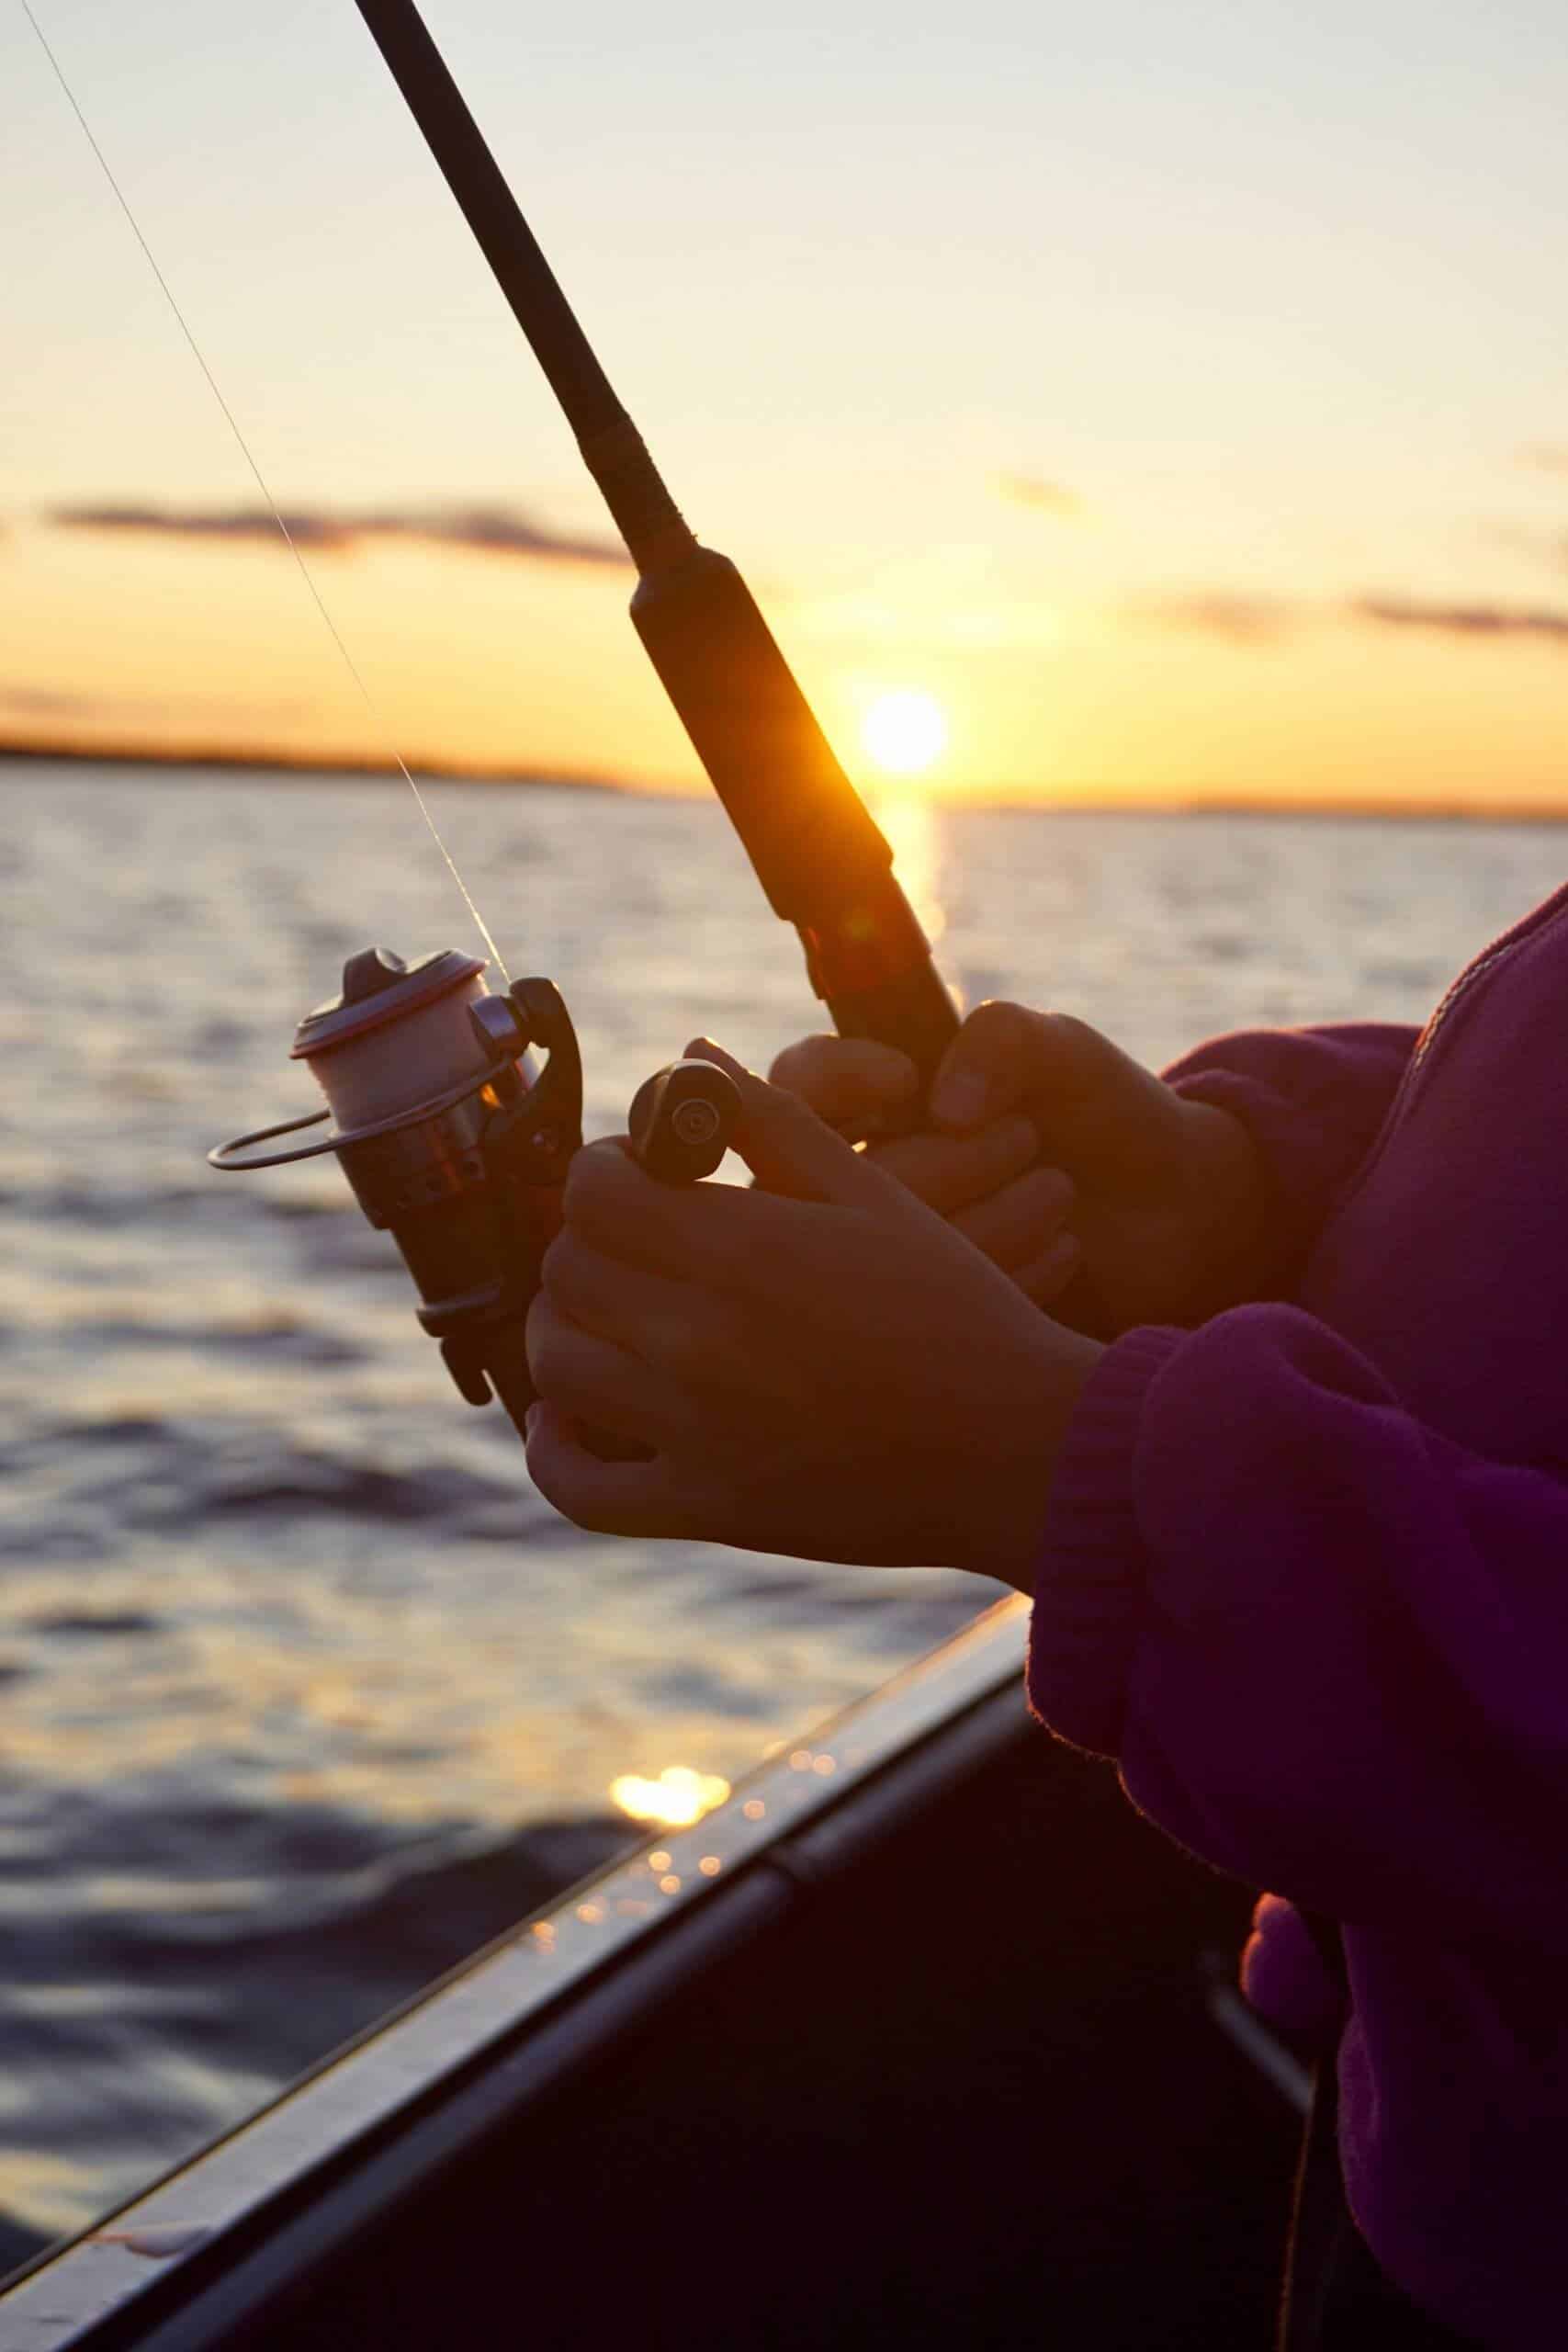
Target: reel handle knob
682,1119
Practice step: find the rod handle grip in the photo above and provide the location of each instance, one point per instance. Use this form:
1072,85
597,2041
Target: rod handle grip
809,837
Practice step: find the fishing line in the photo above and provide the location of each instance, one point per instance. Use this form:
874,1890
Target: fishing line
378,722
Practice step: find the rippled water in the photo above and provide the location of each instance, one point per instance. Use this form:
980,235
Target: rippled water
303,1691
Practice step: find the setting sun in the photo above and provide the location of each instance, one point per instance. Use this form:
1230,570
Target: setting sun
904,731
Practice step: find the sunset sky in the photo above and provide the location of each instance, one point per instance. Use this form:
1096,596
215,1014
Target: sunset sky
1177,397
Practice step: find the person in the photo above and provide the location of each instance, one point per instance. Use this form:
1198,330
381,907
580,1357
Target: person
1295,1523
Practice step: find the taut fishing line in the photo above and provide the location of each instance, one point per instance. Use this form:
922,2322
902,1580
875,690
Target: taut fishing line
378,721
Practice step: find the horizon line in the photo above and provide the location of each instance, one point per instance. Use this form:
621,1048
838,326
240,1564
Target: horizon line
1088,799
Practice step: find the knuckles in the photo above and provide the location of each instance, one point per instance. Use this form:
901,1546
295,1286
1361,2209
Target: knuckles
545,1335
843,1078
568,1366
1002,1029
1051,1190
563,1268
568,1485
672,1331
809,1064
595,1182
578,1484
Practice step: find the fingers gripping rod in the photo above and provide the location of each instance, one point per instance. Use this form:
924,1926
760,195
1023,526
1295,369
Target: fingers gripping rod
822,860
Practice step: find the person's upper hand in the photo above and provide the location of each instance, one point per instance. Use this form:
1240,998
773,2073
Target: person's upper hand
1163,1194
819,1365
987,1179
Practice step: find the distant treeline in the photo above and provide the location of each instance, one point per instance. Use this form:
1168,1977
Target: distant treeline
1086,802
287,764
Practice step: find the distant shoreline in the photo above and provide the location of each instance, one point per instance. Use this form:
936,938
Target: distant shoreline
290,764
290,767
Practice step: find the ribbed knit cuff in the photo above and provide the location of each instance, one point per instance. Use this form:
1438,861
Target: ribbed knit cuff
1088,1592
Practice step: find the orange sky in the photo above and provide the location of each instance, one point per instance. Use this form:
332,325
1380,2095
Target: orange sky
1178,401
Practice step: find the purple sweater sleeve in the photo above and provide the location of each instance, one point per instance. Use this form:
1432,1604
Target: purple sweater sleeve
1312,1100
1324,1640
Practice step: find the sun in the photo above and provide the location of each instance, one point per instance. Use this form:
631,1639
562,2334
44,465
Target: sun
904,731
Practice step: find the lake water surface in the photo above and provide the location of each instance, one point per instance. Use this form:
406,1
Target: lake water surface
304,1692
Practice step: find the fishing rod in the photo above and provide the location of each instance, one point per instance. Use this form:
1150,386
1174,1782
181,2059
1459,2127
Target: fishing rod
824,863
450,1135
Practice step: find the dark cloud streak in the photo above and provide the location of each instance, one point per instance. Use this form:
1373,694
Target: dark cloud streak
89,708
42,702
1246,621
482,530
1463,620
1239,620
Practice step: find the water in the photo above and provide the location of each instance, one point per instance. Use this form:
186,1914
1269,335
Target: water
303,1691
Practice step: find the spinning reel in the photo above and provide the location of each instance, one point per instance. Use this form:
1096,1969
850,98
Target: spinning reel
456,1141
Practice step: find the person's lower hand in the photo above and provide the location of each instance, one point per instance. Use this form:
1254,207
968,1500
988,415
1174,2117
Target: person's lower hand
819,1365
1165,1197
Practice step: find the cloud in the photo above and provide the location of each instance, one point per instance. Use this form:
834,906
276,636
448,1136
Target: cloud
1463,620
484,530
499,530
1033,489
1545,457
1240,620
73,703
40,702
314,531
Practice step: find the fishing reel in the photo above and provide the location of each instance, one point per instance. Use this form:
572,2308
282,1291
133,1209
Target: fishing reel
457,1140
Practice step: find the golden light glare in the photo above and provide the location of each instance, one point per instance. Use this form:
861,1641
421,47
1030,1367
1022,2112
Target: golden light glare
904,731
675,1800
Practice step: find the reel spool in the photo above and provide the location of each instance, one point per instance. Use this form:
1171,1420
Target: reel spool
457,1144
451,1138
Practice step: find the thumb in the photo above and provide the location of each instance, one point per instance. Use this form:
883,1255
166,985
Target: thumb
1009,1058
1003,1058
846,1079
788,1148
1102,1116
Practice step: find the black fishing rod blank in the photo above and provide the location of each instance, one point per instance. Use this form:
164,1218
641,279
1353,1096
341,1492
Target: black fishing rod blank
824,863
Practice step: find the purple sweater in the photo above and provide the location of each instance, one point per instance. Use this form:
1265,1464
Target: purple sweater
1306,1577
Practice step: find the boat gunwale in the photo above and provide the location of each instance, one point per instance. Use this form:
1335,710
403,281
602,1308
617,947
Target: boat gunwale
774,1830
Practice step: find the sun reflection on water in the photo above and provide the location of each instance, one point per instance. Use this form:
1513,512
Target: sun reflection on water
913,825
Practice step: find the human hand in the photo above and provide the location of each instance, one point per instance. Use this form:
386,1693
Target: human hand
988,1180
1166,1200
819,1366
